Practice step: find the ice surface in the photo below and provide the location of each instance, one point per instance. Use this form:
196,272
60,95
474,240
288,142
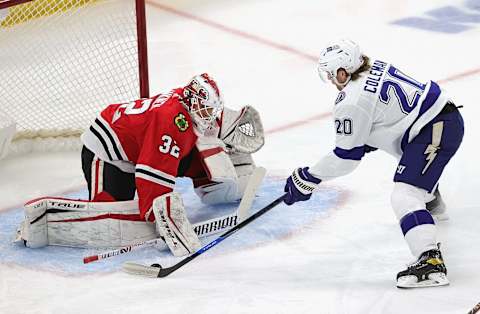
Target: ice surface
338,253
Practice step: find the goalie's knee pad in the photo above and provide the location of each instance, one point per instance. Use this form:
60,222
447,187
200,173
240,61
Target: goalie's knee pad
217,192
172,224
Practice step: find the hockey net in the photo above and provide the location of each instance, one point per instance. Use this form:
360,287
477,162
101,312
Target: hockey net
62,62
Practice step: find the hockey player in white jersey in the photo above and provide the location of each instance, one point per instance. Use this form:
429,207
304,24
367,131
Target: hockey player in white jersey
378,106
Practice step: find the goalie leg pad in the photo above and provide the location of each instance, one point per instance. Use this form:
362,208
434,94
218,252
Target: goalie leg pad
33,230
172,224
75,223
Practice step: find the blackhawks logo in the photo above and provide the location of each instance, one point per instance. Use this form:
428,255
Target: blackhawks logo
181,122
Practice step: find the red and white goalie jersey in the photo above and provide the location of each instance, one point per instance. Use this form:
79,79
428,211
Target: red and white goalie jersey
147,137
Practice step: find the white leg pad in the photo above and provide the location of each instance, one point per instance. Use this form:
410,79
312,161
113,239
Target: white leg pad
33,230
75,223
173,225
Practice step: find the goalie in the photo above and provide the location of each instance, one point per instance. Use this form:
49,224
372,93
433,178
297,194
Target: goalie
136,150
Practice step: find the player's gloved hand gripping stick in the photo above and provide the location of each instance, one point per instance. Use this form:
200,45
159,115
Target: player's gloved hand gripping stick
300,185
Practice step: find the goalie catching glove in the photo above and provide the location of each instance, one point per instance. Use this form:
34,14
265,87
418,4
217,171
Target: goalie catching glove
173,226
243,132
300,185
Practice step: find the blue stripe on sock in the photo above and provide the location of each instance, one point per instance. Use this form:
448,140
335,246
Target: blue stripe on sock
416,218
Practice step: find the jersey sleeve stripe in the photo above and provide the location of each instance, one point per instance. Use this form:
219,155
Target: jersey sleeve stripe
104,144
154,175
153,178
430,99
115,142
355,153
430,107
112,143
156,171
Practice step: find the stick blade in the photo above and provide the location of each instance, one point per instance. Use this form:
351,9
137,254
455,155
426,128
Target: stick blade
249,195
141,270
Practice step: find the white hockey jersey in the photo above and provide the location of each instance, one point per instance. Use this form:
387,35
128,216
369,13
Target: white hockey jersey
384,109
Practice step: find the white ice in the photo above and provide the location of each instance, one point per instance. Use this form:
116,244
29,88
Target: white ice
343,261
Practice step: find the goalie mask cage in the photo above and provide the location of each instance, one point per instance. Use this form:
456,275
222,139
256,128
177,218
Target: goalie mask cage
62,61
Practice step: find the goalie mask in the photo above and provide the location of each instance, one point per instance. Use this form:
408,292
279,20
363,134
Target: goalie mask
203,100
345,54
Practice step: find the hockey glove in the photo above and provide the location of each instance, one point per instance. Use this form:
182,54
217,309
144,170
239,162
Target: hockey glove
299,186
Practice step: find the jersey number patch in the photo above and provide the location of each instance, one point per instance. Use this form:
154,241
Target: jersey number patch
168,148
397,85
344,126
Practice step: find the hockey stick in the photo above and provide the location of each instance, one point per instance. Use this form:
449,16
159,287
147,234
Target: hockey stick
203,228
475,309
156,270
122,250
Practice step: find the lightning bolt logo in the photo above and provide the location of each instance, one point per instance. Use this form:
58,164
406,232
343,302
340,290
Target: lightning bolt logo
432,148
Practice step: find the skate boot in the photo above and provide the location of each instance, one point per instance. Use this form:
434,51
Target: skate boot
428,271
437,207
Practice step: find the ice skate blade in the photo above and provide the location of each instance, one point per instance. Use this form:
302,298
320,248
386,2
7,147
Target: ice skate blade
434,280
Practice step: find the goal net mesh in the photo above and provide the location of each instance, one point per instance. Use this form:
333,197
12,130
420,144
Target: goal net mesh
63,61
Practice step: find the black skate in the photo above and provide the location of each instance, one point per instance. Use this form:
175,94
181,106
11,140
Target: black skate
437,207
428,271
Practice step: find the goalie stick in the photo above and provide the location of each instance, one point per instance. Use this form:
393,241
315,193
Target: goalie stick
156,270
203,228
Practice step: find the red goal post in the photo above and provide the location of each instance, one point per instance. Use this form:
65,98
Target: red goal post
62,61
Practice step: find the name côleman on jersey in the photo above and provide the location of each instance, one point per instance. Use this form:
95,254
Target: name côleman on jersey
375,75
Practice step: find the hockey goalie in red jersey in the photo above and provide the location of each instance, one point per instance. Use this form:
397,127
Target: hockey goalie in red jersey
141,147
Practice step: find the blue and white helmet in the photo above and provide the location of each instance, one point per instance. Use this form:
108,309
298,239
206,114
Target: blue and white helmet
344,54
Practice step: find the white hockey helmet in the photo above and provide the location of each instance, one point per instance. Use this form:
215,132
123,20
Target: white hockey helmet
204,101
344,54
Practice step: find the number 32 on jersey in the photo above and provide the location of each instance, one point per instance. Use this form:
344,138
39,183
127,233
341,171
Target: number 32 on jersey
169,146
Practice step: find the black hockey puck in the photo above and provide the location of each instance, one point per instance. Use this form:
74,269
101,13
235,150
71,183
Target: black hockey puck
157,265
